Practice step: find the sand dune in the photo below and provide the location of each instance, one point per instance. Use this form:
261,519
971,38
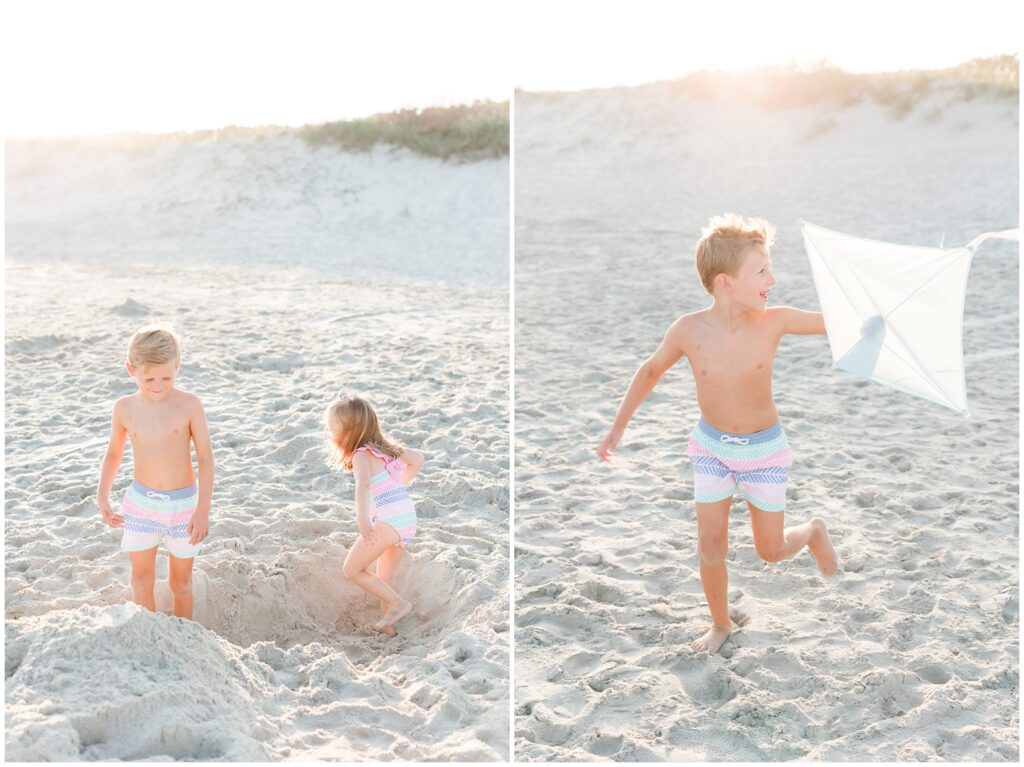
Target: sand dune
912,652
278,663
273,200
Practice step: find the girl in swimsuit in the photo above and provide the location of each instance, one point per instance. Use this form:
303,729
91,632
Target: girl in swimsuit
384,510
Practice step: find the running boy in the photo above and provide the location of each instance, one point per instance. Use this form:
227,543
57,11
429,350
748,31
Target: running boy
738,443
163,503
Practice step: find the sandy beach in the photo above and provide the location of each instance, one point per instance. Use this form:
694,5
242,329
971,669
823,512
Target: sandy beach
290,272
911,652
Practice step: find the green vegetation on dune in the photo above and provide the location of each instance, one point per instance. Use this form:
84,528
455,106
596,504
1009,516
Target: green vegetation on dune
465,133
468,132
793,86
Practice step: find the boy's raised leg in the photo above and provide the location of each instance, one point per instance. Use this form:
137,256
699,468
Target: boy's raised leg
143,577
774,542
179,579
713,545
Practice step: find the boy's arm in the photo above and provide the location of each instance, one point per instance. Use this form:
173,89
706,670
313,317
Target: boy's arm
199,526
413,463
111,463
798,322
362,471
643,383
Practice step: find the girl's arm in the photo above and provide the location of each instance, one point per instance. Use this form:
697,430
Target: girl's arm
199,526
643,383
413,463
111,463
362,471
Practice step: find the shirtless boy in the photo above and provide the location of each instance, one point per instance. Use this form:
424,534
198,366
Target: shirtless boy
738,443
163,503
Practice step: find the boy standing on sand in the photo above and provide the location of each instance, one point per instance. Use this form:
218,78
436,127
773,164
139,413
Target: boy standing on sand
163,503
738,443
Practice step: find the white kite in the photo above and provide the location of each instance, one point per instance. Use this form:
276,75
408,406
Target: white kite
894,313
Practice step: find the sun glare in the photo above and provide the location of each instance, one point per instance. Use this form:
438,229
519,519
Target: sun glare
126,66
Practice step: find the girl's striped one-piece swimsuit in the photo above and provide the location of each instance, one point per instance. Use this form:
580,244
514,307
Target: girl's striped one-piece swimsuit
391,500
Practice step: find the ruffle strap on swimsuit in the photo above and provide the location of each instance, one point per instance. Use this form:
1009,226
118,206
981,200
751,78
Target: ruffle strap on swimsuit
394,466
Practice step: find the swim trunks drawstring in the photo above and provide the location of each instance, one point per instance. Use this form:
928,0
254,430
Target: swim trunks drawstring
737,440
162,496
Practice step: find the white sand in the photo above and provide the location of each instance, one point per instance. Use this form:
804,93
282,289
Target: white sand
278,664
911,653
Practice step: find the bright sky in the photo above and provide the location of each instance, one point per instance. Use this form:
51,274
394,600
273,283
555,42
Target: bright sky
116,65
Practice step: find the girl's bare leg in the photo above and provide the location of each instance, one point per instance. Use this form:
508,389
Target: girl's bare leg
386,565
713,545
359,559
180,580
774,542
143,577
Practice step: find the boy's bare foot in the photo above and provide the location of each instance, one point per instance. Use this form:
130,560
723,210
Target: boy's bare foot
713,638
820,545
386,625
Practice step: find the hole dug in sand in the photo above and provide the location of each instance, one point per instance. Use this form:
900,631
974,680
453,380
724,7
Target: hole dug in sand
304,597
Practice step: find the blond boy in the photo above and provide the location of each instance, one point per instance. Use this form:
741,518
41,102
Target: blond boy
163,503
738,443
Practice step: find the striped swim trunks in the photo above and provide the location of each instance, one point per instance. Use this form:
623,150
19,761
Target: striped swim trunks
151,516
755,464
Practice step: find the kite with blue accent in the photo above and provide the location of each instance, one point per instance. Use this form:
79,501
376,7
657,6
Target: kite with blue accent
894,313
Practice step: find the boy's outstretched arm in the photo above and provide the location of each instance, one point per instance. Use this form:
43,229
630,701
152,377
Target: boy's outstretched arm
111,463
643,383
798,322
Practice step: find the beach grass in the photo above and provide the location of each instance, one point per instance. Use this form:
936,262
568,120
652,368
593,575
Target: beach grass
462,133
466,132
824,84
792,86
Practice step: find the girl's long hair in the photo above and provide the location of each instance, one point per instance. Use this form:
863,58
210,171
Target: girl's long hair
355,426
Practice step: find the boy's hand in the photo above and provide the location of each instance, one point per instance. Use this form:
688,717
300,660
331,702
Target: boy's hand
112,519
198,528
369,534
606,449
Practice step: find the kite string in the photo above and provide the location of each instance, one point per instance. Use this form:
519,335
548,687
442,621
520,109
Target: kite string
1005,234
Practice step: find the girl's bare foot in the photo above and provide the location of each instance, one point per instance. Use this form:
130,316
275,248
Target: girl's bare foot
388,631
386,625
820,545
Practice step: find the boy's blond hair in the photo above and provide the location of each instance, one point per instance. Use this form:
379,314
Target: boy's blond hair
154,345
724,241
357,427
